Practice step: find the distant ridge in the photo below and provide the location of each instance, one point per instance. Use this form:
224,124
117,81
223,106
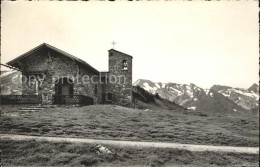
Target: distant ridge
218,98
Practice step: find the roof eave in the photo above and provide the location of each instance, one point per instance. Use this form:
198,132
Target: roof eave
55,49
26,54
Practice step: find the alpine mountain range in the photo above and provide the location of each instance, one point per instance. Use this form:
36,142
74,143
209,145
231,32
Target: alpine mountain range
216,99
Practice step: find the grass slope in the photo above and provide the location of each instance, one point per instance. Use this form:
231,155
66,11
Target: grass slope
146,100
32,153
114,122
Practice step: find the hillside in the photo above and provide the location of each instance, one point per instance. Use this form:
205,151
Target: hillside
120,123
145,100
221,99
8,87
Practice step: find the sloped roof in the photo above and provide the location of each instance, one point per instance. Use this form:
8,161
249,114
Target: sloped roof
120,52
45,45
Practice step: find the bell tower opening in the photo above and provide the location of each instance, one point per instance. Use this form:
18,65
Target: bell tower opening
125,65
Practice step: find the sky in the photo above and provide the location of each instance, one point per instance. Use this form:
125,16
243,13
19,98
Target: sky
205,43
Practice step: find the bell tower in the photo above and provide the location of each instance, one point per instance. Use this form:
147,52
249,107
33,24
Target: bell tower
119,85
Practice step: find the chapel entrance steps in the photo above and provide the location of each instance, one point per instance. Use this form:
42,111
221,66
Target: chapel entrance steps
36,108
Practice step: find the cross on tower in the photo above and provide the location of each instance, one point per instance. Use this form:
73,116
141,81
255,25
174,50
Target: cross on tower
113,43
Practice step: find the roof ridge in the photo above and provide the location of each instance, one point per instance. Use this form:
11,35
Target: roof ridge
53,48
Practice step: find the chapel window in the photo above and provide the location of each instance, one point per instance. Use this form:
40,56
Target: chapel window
36,87
109,97
96,89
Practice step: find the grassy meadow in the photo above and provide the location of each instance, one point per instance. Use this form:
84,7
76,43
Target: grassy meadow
119,123
43,153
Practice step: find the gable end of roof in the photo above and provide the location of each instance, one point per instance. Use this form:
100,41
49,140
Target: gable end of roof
45,45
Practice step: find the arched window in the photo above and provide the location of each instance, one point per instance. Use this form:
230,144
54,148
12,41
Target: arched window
125,65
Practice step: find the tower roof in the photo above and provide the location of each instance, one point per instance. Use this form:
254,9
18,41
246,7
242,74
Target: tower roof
113,50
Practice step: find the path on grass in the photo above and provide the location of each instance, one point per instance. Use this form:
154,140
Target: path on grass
190,147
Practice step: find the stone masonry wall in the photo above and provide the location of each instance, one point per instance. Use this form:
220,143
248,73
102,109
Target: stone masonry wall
87,81
122,89
53,65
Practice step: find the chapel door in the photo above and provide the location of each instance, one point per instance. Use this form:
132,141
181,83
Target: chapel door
65,90
63,87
